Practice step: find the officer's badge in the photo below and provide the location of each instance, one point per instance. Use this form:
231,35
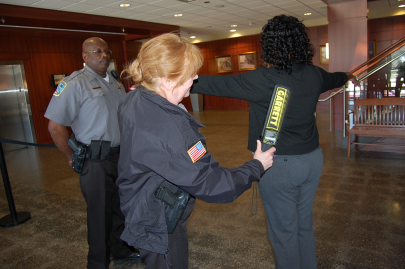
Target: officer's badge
196,152
120,85
60,88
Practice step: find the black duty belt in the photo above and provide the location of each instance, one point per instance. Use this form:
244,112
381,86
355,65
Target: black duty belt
101,150
97,151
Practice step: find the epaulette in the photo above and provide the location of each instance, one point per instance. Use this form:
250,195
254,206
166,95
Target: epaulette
73,75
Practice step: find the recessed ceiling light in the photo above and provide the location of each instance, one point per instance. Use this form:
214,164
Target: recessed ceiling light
234,25
193,36
307,14
207,2
178,15
401,6
125,5
233,30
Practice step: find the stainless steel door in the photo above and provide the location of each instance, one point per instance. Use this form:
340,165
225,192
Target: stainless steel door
15,111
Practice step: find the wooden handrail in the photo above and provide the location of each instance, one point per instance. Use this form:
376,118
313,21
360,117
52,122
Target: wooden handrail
373,61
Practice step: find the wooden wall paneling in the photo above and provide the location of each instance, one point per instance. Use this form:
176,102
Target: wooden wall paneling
398,34
13,44
380,25
211,54
382,45
50,44
79,60
116,47
312,33
223,103
386,35
398,22
46,64
14,56
204,68
212,70
132,49
322,31
236,103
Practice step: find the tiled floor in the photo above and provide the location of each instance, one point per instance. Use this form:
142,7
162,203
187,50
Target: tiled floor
359,211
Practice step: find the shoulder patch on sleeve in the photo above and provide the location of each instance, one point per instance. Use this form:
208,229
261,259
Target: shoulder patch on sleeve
60,88
196,151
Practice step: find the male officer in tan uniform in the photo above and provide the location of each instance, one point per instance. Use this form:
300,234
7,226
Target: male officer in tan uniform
87,101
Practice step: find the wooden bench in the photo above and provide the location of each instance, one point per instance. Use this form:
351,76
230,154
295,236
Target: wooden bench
377,117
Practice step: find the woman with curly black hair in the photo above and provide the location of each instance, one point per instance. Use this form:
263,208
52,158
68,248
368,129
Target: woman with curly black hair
288,188
285,43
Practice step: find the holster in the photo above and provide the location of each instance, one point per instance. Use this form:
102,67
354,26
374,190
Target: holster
79,153
175,201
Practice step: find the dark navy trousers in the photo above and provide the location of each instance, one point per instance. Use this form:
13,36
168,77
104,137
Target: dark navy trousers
288,191
105,221
177,255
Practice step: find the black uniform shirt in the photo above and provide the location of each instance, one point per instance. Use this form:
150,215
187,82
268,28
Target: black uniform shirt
158,139
299,134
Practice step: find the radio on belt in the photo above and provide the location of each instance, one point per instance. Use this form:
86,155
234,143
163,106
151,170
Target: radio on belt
275,116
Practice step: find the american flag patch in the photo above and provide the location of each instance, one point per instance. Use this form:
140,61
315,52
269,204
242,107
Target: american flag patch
196,152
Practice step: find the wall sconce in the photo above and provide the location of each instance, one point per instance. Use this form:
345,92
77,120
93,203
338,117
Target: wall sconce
327,51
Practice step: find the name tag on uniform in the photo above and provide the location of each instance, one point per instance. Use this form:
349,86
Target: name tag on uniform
97,88
196,151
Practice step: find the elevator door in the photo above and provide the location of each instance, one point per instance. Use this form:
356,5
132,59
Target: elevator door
15,111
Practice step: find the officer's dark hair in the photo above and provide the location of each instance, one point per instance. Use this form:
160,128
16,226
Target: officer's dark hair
285,42
168,56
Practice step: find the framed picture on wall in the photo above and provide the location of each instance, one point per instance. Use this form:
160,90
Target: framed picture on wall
247,61
224,63
323,55
56,79
371,49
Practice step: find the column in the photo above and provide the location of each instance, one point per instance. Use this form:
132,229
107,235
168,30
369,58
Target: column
348,43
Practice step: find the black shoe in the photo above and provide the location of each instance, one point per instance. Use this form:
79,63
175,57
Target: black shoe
134,256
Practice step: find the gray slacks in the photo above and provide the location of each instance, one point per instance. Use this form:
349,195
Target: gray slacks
288,191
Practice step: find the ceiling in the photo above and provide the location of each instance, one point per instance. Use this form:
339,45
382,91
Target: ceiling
208,20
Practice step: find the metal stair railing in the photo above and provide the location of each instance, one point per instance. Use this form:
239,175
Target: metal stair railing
361,70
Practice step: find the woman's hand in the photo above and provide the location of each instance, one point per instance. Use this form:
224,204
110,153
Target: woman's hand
353,79
266,157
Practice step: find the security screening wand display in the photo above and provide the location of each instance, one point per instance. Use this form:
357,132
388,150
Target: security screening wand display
275,116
